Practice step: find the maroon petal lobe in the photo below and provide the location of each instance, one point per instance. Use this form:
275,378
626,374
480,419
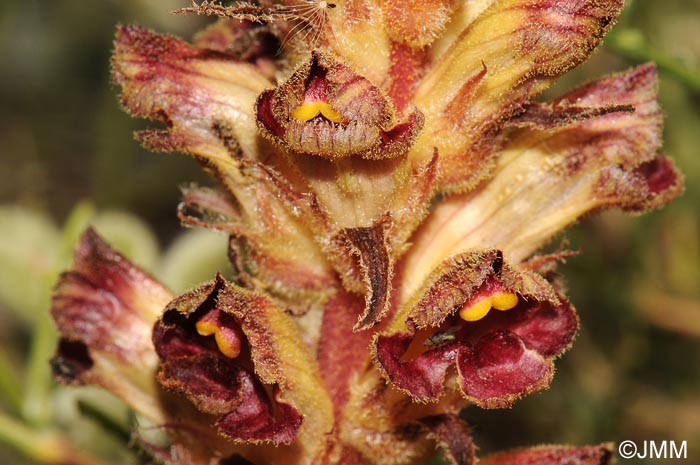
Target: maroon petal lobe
500,369
421,378
553,455
213,385
548,329
252,418
228,388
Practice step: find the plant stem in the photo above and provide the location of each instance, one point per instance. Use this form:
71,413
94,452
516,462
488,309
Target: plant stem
36,408
45,447
631,44
10,387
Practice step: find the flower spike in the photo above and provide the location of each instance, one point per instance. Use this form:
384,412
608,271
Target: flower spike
387,183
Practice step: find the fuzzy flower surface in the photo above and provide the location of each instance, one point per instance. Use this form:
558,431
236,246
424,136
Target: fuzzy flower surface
387,180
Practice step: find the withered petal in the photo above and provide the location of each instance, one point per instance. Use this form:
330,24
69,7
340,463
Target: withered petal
371,248
195,92
452,434
104,308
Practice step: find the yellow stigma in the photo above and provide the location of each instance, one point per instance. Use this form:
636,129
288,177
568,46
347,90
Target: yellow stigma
310,110
206,328
478,310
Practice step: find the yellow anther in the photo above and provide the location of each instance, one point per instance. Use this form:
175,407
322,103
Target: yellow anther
478,310
504,301
206,328
310,110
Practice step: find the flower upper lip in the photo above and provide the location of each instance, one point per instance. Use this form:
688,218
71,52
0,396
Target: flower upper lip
328,110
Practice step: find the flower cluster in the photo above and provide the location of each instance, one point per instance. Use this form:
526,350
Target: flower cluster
386,182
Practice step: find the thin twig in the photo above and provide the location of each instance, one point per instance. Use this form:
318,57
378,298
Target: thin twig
47,447
631,44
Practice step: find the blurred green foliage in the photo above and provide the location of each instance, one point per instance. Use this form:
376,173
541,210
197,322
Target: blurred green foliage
634,372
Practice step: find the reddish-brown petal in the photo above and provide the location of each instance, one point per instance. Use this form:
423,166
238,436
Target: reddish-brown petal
553,455
499,369
501,355
104,308
204,97
422,378
237,356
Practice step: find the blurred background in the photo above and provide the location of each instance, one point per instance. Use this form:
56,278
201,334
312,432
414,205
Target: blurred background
68,159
